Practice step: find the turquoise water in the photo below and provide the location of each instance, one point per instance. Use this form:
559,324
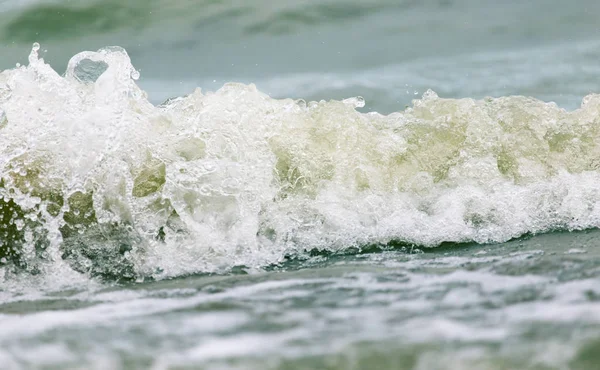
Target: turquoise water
305,185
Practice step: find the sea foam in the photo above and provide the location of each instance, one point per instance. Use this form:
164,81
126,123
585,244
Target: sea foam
95,178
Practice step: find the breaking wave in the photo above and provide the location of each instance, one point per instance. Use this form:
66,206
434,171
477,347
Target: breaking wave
94,178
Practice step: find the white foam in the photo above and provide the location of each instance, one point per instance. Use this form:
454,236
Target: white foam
237,178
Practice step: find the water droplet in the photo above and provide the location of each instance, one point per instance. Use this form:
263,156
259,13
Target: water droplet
135,75
33,56
20,224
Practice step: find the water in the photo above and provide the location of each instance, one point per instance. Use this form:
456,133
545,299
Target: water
315,205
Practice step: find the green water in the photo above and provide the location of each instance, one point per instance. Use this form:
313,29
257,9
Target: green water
247,229
382,50
527,304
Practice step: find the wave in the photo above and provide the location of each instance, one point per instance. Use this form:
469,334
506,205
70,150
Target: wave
95,178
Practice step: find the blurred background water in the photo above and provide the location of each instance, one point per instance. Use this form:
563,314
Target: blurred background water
387,51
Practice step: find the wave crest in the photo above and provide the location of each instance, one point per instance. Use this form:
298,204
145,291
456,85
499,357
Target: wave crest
95,178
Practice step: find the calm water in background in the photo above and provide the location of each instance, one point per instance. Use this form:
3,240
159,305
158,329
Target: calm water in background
385,51
531,302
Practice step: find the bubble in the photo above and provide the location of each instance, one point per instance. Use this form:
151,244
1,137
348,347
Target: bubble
135,75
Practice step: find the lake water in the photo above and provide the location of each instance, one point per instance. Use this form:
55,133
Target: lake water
299,185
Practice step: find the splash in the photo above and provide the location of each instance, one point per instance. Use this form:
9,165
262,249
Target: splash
94,178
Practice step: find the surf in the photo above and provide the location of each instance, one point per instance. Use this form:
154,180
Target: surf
97,179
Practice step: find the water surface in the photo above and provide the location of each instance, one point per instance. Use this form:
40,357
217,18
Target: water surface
313,204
